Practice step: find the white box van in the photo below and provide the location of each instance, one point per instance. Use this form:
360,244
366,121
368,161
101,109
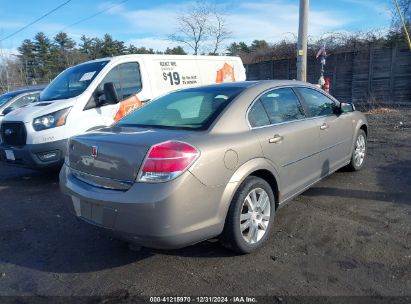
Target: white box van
97,93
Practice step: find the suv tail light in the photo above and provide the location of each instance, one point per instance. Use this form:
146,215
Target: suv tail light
166,161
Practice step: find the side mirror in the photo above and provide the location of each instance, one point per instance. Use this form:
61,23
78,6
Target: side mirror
337,109
110,93
346,107
98,96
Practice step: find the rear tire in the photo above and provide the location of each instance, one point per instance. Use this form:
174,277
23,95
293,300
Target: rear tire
250,216
359,153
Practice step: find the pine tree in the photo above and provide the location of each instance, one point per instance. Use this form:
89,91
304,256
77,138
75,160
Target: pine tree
235,49
27,58
86,45
259,45
142,50
178,50
44,57
111,47
64,47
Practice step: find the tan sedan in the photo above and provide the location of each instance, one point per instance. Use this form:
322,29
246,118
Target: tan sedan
213,161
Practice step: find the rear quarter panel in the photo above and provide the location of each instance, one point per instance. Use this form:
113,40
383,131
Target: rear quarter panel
225,161
222,155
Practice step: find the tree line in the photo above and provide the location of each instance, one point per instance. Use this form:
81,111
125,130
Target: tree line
202,29
42,58
261,50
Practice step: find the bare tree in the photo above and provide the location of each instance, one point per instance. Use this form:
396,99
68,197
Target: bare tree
201,26
218,30
192,27
11,73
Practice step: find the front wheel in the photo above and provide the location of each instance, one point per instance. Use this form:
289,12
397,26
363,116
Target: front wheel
359,153
250,216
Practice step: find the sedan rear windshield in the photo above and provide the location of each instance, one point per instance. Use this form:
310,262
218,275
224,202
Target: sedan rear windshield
195,108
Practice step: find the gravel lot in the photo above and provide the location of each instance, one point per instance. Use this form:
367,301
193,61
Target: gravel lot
348,235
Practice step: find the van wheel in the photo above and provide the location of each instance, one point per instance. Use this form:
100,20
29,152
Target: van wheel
359,153
250,216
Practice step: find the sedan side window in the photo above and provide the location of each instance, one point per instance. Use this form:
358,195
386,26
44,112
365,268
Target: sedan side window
317,103
257,116
24,100
282,105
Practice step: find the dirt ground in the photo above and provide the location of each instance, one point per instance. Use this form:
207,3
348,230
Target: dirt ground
348,235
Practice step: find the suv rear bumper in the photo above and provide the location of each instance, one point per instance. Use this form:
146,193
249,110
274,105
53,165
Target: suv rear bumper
28,156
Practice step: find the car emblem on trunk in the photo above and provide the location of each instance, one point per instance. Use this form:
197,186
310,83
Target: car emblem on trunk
8,132
94,151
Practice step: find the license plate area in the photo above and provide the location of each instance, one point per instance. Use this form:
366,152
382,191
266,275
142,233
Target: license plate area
95,213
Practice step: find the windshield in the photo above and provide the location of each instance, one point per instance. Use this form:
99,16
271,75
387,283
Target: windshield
195,108
5,98
72,82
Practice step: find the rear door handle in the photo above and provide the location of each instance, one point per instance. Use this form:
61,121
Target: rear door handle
276,139
324,126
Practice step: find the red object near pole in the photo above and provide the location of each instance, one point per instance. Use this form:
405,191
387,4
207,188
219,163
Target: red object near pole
327,85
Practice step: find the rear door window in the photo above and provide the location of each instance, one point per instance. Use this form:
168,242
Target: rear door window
257,116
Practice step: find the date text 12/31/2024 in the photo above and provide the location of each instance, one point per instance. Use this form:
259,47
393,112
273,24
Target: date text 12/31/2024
203,299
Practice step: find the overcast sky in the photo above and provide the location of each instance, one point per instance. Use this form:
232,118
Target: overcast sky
148,23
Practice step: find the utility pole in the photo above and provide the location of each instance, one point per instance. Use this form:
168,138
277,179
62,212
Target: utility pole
302,41
407,35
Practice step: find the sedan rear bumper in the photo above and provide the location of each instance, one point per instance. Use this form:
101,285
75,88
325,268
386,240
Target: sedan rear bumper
166,215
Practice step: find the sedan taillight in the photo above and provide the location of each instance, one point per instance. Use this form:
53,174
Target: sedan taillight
166,161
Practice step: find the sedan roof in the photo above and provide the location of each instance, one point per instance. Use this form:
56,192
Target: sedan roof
249,84
23,90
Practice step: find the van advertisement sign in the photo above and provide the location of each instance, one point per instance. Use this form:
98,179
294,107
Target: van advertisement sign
177,74
173,75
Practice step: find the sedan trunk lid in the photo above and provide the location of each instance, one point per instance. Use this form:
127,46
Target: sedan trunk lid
115,153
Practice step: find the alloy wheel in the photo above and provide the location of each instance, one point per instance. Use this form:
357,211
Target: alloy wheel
359,152
255,215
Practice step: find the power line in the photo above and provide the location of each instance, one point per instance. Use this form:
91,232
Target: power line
37,20
93,15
